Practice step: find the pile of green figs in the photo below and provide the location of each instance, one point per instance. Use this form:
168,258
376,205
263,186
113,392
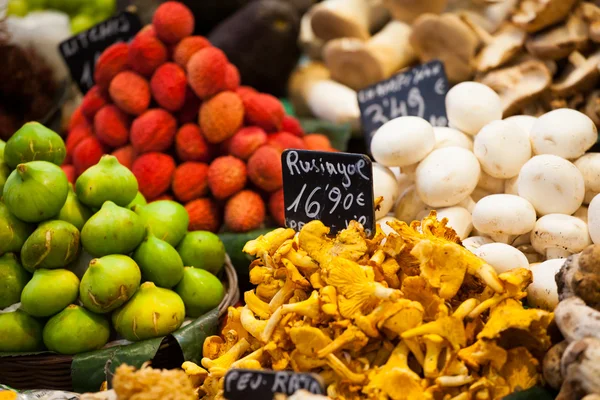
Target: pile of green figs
84,264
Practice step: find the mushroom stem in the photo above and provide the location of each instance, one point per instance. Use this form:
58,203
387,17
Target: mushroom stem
577,59
334,19
502,238
484,35
556,252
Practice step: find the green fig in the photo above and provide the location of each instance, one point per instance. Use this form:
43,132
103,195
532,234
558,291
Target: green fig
13,231
159,261
34,142
202,249
20,332
36,191
54,244
13,279
108,283
106,181
49,291
138,200
151,312
200,291
112,230
76,330
4,174
167,220
2,146
74,211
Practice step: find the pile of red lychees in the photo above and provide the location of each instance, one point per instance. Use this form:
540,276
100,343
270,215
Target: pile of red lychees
170,107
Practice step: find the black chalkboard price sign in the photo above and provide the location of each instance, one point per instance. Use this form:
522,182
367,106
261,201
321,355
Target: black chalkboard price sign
246,384
81,51
335,188
420,92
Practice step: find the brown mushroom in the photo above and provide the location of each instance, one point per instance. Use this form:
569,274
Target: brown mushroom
499,48
535,15
358,64
580,276
334,19
561,41
581,76
447,38
490,15
518,85
408,10
551,365
591,14
580,367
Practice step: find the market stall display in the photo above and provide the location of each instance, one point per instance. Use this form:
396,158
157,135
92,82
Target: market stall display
180,120
75,256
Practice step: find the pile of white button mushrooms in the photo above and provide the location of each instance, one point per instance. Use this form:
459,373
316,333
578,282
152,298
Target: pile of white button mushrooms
519,191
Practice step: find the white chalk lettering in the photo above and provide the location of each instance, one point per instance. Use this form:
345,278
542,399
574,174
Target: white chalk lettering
242,383
231,377
279,385
256,383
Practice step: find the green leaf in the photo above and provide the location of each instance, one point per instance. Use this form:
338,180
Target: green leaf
338,134
535,393
191,337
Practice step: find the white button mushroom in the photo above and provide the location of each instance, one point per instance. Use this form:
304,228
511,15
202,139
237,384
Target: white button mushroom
564,132
384,226
543,292
384,184
447,176
490,184
409,205
559,235
503,217
594,219
502,257
524,122
459,219
510,185
402,141
472,105
475,242
502,148
589,165
447,137
552,184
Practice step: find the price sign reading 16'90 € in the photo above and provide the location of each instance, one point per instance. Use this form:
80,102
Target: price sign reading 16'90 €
335,188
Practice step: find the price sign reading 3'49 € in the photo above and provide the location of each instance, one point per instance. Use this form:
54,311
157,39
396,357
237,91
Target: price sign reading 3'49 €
335,188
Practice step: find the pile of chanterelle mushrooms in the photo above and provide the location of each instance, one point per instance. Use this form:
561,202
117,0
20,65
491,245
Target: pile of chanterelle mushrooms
538,55
519,191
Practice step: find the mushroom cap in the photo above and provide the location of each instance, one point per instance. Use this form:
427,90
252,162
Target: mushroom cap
535,15
402,141
560,231
524,122
490,184
518,85
384,226
502,148
472,105
502,257
506,43
543,291
551,184
511,186
503,214
564,132
409,205
594,219
559,42
408,10
384,184
448,39
333,19
448,137
475,242
589,165
447,176
578,78
459,219
352,63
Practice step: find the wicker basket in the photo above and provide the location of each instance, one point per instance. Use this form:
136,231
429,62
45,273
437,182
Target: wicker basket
53,371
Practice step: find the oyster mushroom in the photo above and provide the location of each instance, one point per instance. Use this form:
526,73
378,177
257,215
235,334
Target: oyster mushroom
518,85
471,105
446,38
559,235
409,10
591,14
503,217
564,132
358,64
580,276
551,184
502,257
581,76
535,15
332,19
499,48
542,292
589,165
402,141
557,43
502,148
